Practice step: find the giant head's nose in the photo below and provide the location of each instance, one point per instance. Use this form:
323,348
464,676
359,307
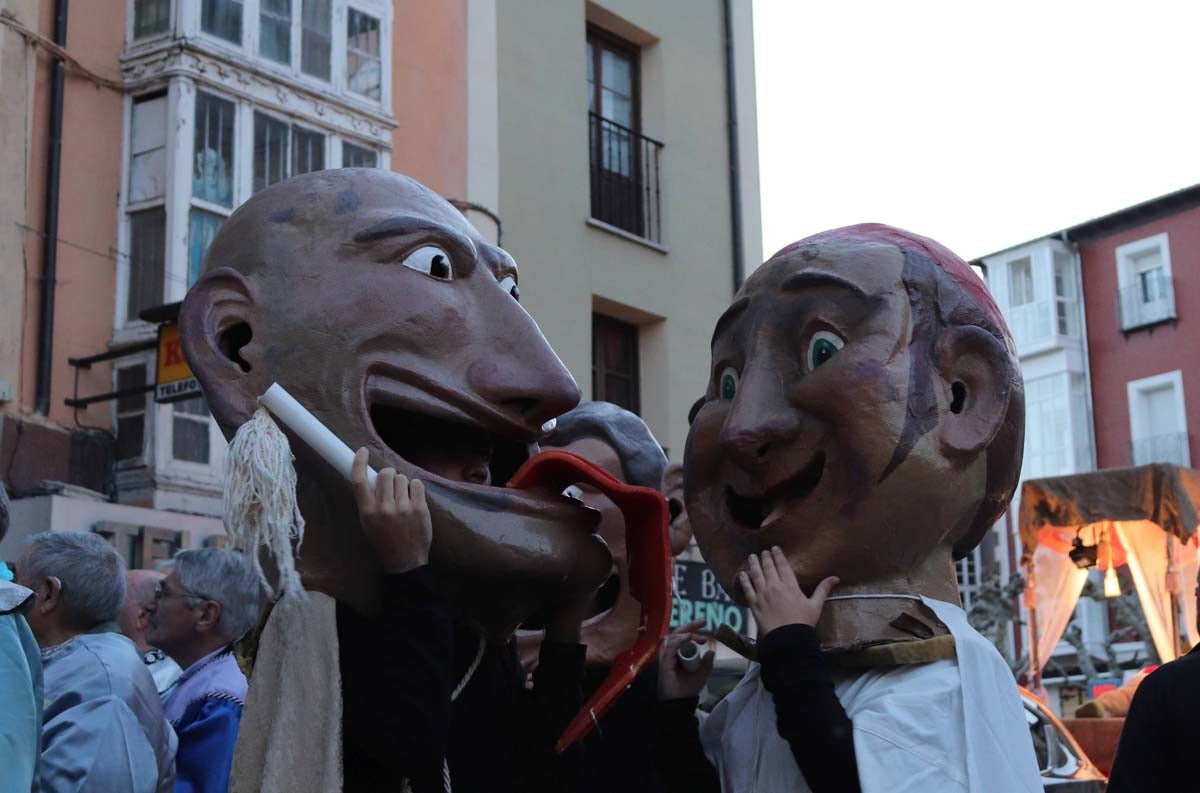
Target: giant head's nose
519,373
761,423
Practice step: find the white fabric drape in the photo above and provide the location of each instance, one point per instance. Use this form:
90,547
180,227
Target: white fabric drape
1188,565
1146,553
1058,583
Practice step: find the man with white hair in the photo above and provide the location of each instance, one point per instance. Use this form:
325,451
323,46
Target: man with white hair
209,600
140,587
103,728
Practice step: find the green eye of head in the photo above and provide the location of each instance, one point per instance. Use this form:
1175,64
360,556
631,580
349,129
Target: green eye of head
729,384
824,345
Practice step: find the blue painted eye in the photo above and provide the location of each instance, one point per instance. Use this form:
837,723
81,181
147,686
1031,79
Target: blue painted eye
729,384
824,345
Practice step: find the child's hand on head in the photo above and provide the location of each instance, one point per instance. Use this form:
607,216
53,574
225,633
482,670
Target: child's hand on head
394,517
774,595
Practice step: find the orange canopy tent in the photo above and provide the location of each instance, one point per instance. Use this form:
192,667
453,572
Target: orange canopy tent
1146,517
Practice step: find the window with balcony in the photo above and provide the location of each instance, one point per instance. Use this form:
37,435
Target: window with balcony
615,362
223,170
624,162
1145,294
1158,420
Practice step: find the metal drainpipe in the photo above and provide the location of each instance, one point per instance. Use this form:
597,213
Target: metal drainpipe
735,170
1087,358
45,358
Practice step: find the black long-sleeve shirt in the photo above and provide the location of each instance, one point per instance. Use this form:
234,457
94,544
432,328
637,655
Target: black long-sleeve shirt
808,716
1157,747
399,668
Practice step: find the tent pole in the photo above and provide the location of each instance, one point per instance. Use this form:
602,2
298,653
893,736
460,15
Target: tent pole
1035,669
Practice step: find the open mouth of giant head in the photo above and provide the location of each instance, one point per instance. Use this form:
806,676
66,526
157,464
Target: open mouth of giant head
758,511
461,443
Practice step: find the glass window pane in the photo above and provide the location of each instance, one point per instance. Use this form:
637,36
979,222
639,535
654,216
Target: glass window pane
316,37
189,439
358,157
131,436
202,227
212,163
131,377
147,230
616,72
364,69
270,151
308,151
275,30
223,19
196,406
147,149
150,17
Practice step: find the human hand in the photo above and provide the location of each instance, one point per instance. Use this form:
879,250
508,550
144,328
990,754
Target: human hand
395,517
565,622
774,595
675,682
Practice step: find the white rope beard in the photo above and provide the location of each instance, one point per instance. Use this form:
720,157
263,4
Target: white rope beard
261,510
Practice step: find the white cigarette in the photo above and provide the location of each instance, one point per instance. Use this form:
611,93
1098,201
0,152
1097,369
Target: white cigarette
689,656
319,437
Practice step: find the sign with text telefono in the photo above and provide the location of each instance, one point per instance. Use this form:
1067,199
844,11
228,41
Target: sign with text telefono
699,596
174,381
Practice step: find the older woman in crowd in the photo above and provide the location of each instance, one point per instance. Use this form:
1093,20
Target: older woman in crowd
103,727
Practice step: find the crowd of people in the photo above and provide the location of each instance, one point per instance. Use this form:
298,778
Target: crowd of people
116,680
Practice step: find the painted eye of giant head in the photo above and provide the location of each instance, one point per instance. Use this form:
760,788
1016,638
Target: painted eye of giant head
431,260
729,383
509,284
824,345
573,492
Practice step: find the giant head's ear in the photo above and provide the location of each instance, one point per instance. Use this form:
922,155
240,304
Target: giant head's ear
977,375
216,325
680,528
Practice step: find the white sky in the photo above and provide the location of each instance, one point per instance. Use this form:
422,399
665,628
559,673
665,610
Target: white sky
980,125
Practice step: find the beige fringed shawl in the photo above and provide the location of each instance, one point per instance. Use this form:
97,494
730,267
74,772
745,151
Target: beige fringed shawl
290,739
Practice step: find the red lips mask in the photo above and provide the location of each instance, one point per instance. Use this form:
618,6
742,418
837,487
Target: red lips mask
646,537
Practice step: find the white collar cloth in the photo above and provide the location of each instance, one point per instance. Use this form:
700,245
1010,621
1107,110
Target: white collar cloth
950,725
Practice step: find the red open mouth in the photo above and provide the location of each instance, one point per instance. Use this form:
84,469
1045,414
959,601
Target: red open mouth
649,551
760,511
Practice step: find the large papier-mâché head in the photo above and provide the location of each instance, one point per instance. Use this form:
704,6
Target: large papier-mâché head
382,310
864,412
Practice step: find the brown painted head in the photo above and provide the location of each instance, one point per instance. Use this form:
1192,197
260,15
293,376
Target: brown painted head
864,412
620,443
382,310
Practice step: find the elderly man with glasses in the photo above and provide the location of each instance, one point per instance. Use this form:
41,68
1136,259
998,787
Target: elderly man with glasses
209,600
102,728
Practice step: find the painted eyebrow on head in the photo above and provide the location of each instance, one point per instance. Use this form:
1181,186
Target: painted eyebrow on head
404,225
730,316
811,279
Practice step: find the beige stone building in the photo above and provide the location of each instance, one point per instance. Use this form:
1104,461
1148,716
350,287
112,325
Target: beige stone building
595,138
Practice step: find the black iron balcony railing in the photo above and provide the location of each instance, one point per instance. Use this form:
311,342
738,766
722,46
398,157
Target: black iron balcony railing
1169,448
625,183
1147,301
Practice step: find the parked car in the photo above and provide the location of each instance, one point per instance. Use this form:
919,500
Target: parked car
1064,766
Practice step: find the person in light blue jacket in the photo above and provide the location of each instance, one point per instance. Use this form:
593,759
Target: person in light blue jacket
20,680
103,729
